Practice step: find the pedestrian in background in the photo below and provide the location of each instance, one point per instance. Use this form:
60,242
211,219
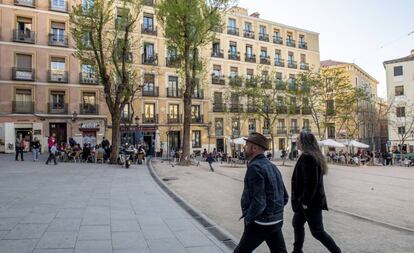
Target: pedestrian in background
263,199
308,194
35,149
52,154
210,160
19,146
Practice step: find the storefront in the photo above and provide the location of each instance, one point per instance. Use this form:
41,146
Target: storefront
10,130
139,135
89,132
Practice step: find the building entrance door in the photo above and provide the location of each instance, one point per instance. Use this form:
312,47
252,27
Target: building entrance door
60,130
220,144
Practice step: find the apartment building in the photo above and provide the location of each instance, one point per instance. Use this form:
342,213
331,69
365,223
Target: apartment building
400,94
365,128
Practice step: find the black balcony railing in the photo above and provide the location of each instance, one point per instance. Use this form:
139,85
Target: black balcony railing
198,94
304,66
54,6
264,37
26,3
174,118
58,41
88,78
235,133
148,29
236,108
265,60
150,59
294,130
219,107
174,92
234,55
218,80
248,34
148,119
292,64
290,42
250,58
24,36
172,62
280,85
57,76
306,110
235,81
266,131
150,91
250,82
281,130
232,30
303,45
266,83
217,53
23,74
292,86
278,40
148,2
281,109
89,109
197,119
22,107
57,108
294,110
251,109
279,62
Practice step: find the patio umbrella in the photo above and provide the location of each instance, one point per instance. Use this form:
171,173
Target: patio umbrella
331,143
240,141
354,143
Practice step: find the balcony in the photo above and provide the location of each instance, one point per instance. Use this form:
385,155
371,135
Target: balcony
280,85
232,55
293,86
57,108
217,53
198,119
172,62
23,74
266,83
150,91
306,110
233,30
250,82
264,37
128,57
281,109
198,94
57,76
265,60
150,59
58,41
294,130
235,81
304,66
148,2
251,109
290,43
294,110
89,109
237,108
281,130
279,62
53,6
174,93
148,119
174,119
219,107
218,80
266,131
303,45
248,34
87,78
24,36
147,29
22,107
26,3
292,64
250,58
278,40
235,133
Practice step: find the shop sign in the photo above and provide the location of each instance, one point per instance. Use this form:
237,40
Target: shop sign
89,125
37,132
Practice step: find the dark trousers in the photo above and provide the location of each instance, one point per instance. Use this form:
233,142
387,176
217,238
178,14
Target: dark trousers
314,219
211,167
51,156
19,150
254,234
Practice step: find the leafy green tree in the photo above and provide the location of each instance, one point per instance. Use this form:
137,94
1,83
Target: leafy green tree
104,40
188,26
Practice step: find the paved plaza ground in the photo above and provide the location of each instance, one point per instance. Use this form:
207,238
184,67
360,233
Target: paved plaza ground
371,207
74,208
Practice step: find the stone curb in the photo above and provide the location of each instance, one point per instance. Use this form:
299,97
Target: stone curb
213,228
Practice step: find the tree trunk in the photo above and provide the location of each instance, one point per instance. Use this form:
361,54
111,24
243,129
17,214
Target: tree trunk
116,122
186,130
273,144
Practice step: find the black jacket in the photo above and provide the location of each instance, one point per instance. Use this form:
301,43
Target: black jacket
307,185
264,196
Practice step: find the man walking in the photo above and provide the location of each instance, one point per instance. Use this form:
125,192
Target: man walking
52,154
19,145
263,200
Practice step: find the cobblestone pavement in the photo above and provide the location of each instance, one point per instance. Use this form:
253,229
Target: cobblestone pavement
371,207
92,208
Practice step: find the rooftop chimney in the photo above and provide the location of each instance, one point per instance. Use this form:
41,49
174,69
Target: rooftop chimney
255,15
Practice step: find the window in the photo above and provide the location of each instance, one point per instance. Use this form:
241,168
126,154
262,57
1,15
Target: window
279,101
302,58
263,53
290,58
400,111
235,127
126,112
279,76
252,126
218,98
398,70
24,25
248,27
216,70
23,69
401,130
57,99
232,23
149,111
173,111
262,30
57,70
195,112
331,130
293,123
233,49
330,107
173,82
249,51
280,123
216,47
87,4
148,51
234,72
89,98
250,74
277,56
23,95
289,37
149,83
196,139
148,22
219,126
399,90
88,73
302,39
306,124
171,53
58,4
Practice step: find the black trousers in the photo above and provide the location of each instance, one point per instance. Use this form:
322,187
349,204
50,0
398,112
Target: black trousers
19,150
254,234
314,219
49,159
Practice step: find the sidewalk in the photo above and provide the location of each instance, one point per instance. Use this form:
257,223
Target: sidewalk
92,208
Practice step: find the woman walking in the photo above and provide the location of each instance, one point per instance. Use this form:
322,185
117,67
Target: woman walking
308,194
36,149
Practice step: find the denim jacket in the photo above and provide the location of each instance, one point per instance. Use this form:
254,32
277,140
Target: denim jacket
264,195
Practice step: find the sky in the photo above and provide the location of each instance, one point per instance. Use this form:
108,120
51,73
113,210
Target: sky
364,32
